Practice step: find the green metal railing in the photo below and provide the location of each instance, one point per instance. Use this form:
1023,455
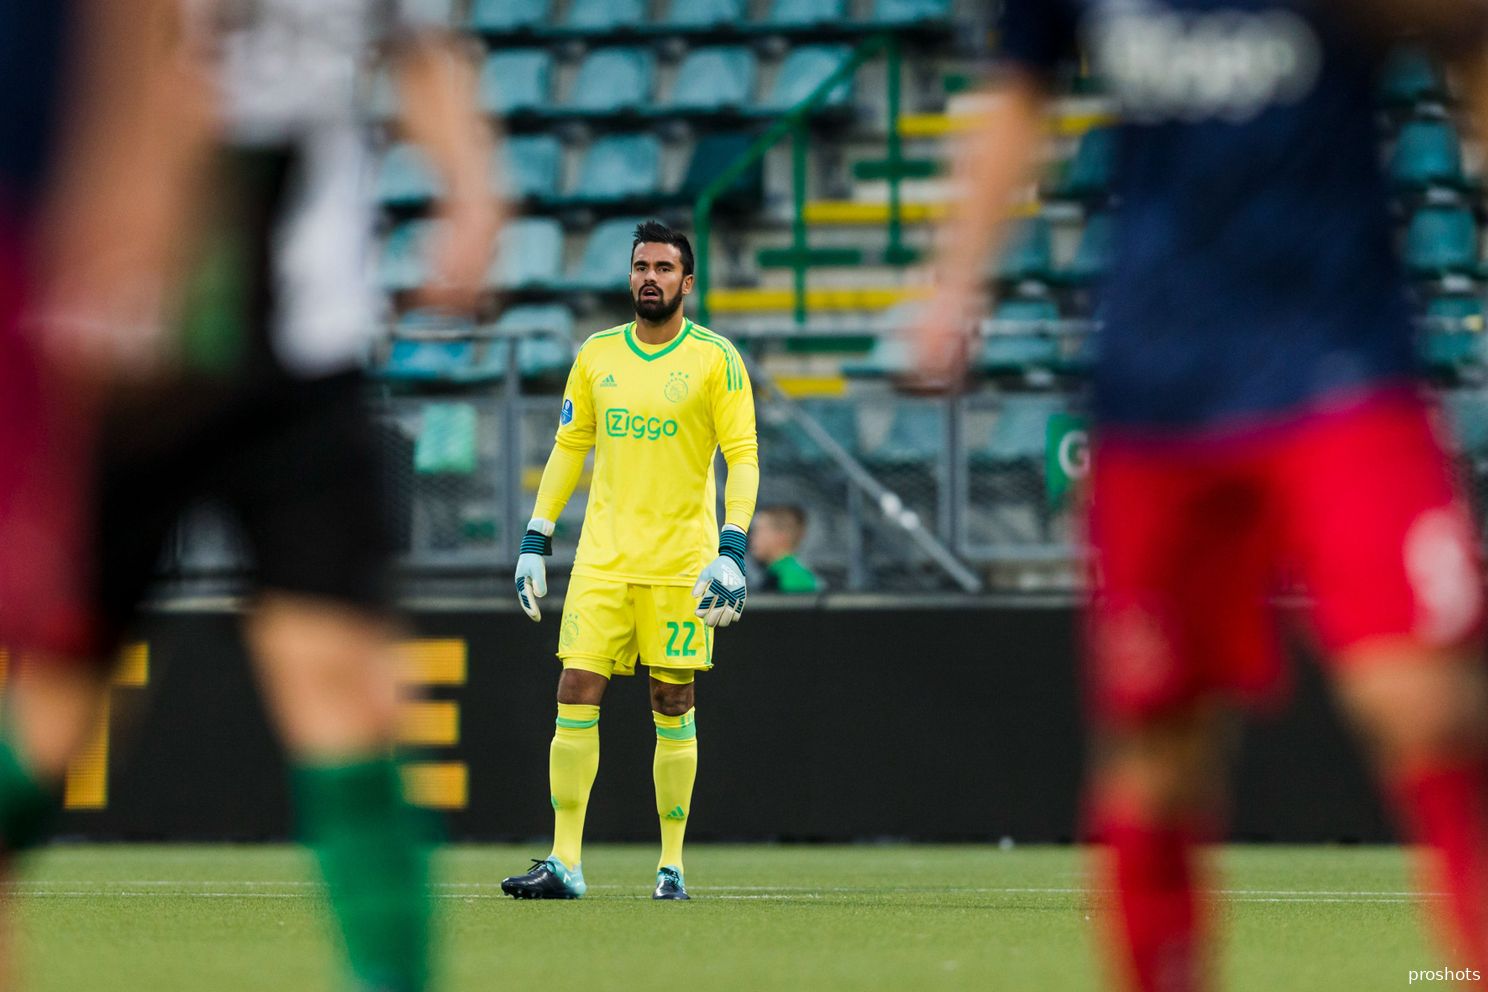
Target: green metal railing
797,125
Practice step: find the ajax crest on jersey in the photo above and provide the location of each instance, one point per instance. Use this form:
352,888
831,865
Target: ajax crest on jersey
676,387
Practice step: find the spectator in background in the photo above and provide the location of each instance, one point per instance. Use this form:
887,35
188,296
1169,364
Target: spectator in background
777,533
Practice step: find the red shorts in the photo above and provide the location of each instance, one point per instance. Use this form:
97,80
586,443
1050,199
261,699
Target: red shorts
44,576
1189,539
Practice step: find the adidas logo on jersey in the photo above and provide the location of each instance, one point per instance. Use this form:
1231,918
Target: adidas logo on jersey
608,380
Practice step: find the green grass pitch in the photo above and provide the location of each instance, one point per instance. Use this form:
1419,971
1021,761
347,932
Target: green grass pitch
234,919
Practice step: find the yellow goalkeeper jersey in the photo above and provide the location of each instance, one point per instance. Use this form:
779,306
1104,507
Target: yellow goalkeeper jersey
655,415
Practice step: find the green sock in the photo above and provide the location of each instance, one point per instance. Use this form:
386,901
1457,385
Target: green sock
374,855
27,805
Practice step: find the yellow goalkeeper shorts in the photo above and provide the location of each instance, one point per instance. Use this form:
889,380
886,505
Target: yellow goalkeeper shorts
609,626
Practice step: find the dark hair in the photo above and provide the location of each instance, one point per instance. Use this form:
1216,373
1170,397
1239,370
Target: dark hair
654,232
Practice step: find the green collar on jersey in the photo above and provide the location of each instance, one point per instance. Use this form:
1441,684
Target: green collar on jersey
652,356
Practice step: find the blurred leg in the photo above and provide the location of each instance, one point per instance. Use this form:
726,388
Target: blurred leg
328,675
1155,795
1424,716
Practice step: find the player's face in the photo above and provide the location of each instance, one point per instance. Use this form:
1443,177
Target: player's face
657,284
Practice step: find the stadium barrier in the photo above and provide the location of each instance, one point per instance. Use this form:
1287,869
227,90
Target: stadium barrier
842,719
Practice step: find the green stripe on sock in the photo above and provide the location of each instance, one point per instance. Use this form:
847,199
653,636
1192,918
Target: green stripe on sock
685,728
568,724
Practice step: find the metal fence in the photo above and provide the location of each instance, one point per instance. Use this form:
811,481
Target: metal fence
900,493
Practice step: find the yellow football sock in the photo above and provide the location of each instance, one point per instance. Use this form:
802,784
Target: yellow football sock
675,769
573,761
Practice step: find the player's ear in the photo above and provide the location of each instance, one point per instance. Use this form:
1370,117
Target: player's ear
687,282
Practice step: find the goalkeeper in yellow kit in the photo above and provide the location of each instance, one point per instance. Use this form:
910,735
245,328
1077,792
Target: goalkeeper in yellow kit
653,574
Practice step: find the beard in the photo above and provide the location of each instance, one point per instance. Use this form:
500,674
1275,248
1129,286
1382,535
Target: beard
657,310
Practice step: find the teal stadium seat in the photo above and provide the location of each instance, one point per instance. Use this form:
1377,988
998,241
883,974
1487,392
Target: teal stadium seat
1442,241
519,81
601,16
402,265
541,359
548,318
805,13
534,164
1427,153
613,80
605,264
428,361
404,178
1459,311
618,168
1021,430
1089,175
1030,255
911,12
714,153
914,439
889,357
530,254
501,16
1467,411
1017,349
1410,77
803,70
713,81
703,15
840,421
1093,257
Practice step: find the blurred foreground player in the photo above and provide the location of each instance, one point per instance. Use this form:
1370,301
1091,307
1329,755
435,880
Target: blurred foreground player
656,399
1256,408
261,412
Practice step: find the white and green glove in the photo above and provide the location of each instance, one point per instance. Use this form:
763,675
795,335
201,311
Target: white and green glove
532,574
721,584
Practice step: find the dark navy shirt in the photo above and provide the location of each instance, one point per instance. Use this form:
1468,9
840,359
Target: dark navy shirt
1253,271
33,41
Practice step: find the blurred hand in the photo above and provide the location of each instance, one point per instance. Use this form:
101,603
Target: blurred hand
461,255
939,343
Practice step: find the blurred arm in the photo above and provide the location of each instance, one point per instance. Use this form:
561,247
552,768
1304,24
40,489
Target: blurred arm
441,113
993,160
131,162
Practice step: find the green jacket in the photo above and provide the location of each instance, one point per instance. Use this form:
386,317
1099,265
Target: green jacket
787,575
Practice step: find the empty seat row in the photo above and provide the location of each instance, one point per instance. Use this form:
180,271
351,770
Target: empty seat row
916,434
599,17
710,81
482,358
614,170
1030,256
1427,153
529,258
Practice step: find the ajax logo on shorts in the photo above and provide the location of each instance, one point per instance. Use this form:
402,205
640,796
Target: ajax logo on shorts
570,632
676,387
566,417
620,422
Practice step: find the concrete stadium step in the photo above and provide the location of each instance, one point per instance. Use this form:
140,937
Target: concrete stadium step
818,299
841,257
854,212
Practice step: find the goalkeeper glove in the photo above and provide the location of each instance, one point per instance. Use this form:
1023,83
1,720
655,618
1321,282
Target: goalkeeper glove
721,584
532,574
